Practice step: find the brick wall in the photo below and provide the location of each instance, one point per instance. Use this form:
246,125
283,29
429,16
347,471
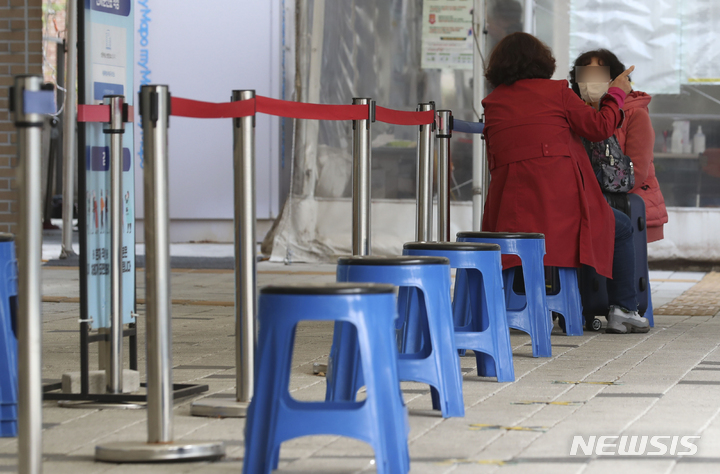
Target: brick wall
20,53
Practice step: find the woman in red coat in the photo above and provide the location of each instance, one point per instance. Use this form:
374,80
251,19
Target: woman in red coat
636,138
541,178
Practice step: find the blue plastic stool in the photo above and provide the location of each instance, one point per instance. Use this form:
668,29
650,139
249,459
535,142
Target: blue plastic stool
274,416
428,352
479,311
528,313
8,341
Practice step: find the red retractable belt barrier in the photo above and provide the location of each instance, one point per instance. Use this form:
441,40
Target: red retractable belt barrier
299,110
194,108
302,110
283,108
98,113
402,117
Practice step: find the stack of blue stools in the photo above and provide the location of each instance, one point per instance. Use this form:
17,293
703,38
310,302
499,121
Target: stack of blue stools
274,416
374,348
531,312
8,340
428,351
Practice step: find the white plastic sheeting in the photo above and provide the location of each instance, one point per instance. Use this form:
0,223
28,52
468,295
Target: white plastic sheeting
701,41
370,48
312,230
645,33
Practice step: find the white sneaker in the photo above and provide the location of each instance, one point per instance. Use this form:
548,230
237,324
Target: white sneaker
621,321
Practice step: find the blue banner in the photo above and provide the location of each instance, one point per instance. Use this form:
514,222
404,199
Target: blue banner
108,70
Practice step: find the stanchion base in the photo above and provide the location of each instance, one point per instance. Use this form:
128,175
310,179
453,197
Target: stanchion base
89,404
219,408
177,451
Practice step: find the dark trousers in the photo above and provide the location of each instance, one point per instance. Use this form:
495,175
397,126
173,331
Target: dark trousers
622,288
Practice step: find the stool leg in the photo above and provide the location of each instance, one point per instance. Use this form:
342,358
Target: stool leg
447,397
272,377
416,329
384,395
513,301
403,311
649,311
537,308
461,303
462,315
569,297
344,375
485,362
493,305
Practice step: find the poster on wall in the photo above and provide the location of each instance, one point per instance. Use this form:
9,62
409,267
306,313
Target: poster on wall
107,68
447,38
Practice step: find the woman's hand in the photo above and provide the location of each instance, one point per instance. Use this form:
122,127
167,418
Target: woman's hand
623,82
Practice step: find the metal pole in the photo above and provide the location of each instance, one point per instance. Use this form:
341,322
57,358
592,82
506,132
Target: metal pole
245,250
443,135
155,113
479,158
29,138
362,163
60,99
424,191
154,103
69,121
115,129
245,276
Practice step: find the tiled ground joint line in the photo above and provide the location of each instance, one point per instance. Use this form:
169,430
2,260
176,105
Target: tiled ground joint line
570,387
653,402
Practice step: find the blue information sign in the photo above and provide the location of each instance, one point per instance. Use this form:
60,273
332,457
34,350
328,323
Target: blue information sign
108,70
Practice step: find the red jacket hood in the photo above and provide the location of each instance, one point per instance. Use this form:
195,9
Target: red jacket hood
637,99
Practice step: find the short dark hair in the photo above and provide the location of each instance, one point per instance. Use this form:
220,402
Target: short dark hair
604,57
519,56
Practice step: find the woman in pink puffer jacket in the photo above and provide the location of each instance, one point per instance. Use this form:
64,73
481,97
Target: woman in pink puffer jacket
637,139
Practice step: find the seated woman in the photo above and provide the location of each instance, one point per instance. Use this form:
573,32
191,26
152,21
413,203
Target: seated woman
541,177
636,136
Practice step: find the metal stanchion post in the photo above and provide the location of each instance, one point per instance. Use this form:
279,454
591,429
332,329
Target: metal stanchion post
443,135
115,129
424,183
29,144
245,275
69,124
362,163
155,112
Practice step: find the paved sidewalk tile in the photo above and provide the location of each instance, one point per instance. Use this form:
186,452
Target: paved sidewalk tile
663,383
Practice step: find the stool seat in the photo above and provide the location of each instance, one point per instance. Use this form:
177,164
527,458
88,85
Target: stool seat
499,235
6,237
399,260
459,246
328,289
